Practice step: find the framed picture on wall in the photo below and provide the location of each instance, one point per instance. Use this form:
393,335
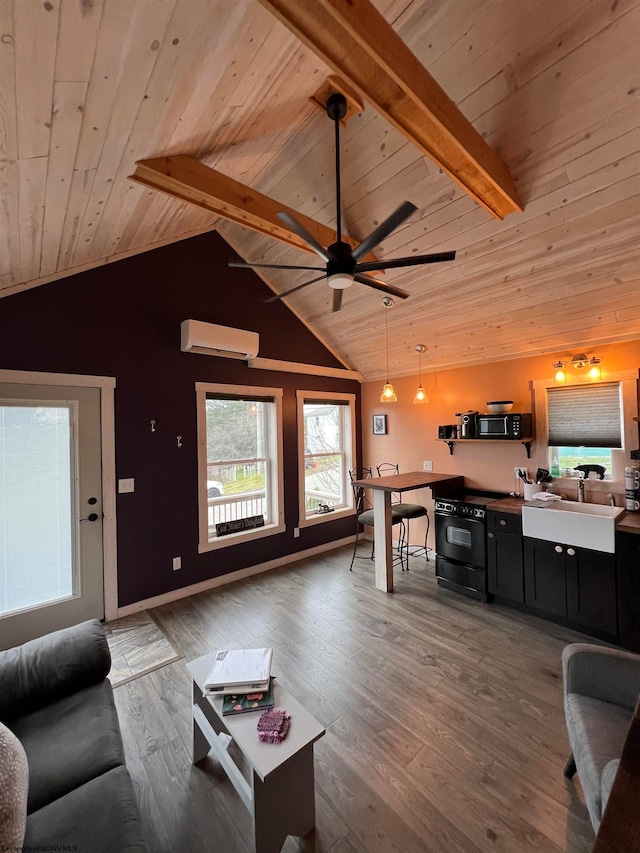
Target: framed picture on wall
379,424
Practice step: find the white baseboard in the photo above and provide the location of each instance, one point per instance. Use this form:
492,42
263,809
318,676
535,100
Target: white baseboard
212,583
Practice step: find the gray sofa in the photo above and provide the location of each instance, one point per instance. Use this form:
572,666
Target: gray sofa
56,699
601,691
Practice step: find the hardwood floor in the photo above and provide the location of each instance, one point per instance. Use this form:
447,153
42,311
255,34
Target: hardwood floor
445,728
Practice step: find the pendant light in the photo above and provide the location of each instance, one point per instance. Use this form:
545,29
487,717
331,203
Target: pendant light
388,394
420,397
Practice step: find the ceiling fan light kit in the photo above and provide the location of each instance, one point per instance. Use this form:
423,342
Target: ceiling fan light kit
340,280
344,264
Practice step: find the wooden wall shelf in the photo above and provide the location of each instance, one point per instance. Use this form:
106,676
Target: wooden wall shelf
524,441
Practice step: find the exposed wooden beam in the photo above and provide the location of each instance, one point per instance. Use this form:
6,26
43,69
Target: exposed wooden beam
183,177
354,39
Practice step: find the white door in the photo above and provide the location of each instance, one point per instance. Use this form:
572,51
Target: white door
51,549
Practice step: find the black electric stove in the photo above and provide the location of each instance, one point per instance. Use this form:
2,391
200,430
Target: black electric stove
461,551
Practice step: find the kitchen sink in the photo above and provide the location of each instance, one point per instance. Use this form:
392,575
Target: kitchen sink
571,523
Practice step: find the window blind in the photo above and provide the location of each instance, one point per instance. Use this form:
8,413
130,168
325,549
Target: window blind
585,416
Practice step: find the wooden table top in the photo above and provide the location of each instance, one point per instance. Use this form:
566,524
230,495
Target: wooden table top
406,482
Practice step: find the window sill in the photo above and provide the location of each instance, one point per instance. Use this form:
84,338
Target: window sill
322,517
569,485
238,538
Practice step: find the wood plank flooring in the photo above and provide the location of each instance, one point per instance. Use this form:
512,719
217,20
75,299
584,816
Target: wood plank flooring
445,727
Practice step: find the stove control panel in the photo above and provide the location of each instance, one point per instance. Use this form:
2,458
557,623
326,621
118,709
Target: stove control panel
462,510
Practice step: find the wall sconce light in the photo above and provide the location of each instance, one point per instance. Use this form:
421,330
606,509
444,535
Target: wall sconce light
579,361
420,397
388,394
560,375
594,368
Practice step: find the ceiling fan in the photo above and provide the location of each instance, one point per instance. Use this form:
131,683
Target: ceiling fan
342,263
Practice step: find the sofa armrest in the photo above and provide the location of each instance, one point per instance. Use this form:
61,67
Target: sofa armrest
607,674
47,669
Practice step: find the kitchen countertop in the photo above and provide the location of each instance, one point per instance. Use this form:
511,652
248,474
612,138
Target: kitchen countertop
629,523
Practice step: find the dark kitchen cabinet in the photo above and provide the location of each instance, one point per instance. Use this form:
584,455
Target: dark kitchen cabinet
545,576
628,571
591,589
574,583
505,564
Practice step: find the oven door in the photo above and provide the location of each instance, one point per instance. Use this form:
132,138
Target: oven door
461,539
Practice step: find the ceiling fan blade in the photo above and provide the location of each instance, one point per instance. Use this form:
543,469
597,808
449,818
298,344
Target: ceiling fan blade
243,265
337,299
380,285
384,229
293,289
412,261
301,231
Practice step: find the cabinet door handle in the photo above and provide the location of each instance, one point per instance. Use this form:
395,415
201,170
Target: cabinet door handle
571,551
559,549
491,535
503,523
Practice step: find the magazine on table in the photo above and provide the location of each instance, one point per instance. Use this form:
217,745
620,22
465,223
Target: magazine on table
240,703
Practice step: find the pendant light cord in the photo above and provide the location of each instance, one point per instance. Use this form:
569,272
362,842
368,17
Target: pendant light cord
386,337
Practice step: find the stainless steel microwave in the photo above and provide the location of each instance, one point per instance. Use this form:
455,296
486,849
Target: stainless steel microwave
514,426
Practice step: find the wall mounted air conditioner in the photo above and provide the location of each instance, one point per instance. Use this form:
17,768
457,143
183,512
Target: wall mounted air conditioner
209,339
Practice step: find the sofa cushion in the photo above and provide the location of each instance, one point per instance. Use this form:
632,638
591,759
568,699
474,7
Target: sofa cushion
14,779
47,669
101,817
69,742
597,731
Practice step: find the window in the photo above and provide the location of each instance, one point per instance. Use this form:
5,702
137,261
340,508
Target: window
240,452
586,423
584,427
326,442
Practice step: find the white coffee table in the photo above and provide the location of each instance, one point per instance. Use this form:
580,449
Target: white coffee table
281,792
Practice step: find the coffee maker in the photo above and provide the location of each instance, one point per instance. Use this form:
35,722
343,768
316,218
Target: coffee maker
467,428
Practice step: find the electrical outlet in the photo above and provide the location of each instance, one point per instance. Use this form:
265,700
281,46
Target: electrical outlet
516,472
177,563
126,485
427,466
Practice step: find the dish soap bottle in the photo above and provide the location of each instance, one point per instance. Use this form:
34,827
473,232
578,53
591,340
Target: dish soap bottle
555,470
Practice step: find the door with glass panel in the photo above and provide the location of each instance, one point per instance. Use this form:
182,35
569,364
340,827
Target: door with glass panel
51,552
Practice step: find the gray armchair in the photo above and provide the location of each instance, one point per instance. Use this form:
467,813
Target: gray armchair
601,691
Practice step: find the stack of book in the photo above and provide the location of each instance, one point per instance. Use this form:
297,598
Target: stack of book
243,678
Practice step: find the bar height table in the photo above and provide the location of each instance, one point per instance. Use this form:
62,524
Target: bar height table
382,487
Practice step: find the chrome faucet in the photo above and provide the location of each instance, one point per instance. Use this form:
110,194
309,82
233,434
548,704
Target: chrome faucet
612,498
581,490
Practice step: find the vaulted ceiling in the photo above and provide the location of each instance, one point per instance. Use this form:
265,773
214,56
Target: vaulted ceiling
90,87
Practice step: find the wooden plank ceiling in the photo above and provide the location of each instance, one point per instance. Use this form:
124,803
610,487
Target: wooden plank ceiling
90,88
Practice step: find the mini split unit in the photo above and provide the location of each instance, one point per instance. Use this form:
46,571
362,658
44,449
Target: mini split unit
209,339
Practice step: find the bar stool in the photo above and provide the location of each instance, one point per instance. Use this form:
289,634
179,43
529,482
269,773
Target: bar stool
364,515
406,511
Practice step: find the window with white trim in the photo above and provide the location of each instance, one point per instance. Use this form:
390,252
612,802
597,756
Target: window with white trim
591,423
326,452
585,427
239,462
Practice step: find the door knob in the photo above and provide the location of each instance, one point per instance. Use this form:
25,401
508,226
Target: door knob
93,516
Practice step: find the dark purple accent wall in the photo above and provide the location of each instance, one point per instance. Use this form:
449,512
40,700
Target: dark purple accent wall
123,320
